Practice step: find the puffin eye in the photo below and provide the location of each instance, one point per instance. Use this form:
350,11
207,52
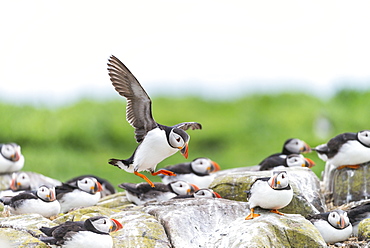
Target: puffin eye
283,176
178,139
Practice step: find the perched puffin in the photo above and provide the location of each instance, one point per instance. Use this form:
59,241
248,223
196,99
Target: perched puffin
292,160
41,202
83,192
144,192
291,146
93,232
11,158
198,172
156,141
201,193
19,183
346,150
107,187
270,193
334,226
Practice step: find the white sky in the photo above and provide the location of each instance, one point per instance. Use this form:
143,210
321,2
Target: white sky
52,51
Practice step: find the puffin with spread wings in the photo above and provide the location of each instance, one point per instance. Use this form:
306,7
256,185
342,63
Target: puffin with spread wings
156,141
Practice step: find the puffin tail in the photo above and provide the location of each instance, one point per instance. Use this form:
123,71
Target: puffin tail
122,164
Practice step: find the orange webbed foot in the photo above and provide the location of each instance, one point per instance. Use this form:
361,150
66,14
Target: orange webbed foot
276,212
353,166
145,178
252,215
164,172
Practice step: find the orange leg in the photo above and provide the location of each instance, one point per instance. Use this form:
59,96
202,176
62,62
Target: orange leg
164,172
276,212
145,178
252,215
354,166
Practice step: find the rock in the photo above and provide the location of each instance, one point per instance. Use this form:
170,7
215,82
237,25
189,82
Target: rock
347,185
307,198
268,230
364,230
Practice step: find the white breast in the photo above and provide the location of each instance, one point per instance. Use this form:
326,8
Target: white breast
152,150
351,153
37,206
77,199
90,240
331,234
200,181
265,197
7,166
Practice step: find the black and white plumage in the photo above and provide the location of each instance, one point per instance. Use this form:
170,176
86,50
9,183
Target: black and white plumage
334,226
11,158
346,150
107,187
156,141
292,160
144,192
93,232
270,193
19,183
41,202
358,213
83,192
291,146
199,172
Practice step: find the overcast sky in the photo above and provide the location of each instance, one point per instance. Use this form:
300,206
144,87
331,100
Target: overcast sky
56,51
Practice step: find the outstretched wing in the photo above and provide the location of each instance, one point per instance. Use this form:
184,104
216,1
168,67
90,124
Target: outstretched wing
186,125
139,105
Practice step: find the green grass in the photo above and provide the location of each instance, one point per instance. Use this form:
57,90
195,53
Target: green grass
79,139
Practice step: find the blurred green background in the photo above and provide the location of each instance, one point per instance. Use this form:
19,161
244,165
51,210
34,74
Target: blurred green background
68,141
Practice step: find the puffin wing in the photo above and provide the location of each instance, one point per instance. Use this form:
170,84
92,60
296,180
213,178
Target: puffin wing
186,125
139,105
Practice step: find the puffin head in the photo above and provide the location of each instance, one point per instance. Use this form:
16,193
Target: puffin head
179,139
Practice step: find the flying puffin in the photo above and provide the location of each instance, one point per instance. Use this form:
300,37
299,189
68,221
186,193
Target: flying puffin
144,192
292,160
107,187
93,232
156,141
83,192
41,202
291,146
334,226
198,172
346,150
11,158
270,193
201,193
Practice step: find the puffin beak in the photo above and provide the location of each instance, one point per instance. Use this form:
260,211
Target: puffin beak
15,157
274,183
96,188
308,163
217,194
192,189
52,195
341,222
116,226
215,168
306,148
185,151
13,184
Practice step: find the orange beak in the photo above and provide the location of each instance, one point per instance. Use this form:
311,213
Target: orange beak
216,167
185,151
217,194
117,225
308,163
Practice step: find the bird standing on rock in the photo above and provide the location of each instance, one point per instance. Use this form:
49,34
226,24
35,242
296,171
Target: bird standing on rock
156,141
270,193
346,150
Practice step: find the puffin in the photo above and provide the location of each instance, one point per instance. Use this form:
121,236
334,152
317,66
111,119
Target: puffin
143,192
290,146
84,192
19,183
156,141
11,158
346,150
334,226
201,193
270,193
93,232
292,160
41,202
199,172
107,187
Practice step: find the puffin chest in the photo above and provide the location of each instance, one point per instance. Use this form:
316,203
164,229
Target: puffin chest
153,149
